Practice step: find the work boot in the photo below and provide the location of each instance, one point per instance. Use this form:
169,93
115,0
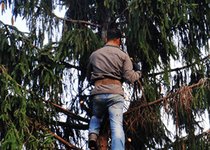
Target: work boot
92,141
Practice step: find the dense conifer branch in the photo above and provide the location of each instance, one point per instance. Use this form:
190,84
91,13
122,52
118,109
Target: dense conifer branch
202,81
149,27
61,109
185,139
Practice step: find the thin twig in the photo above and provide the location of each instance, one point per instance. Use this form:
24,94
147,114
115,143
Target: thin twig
179,68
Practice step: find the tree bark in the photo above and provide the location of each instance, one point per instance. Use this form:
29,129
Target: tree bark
103,142
105,24
104,133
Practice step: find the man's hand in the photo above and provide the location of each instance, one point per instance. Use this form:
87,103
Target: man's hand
136,67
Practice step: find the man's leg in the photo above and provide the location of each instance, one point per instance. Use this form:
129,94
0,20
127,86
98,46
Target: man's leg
93,131
98,110
116,120
94,126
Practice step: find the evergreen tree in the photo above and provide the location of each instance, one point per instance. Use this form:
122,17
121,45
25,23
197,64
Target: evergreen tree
33,73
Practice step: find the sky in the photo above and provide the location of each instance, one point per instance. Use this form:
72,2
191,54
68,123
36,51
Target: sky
6,18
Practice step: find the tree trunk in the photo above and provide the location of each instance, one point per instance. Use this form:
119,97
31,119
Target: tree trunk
105,24
103,142
104,133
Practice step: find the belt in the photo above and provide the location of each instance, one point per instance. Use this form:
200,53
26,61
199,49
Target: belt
107,81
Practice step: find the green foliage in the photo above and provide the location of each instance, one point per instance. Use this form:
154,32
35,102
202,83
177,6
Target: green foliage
77,43
45,142
26,74
157,32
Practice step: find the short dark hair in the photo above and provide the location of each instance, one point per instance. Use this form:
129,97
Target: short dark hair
113,34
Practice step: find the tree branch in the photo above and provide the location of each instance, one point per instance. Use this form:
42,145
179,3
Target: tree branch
164,98
65,142
185,139
68,65
71,20
67,112
119,15
73,125
56,136
179,68
77,21
60,139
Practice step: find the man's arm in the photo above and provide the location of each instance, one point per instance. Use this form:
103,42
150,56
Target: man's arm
128,71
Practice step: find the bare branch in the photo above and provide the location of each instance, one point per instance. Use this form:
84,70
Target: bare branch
65,142
67,112
77,21
71,20
60,139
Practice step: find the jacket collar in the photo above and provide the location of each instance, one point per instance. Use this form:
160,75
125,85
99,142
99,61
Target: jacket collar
112,45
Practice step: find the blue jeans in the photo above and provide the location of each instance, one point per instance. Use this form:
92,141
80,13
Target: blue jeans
114,104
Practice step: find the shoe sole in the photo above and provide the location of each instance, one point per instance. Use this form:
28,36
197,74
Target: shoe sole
92,145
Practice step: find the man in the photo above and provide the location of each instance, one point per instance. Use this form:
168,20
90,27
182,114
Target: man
108,67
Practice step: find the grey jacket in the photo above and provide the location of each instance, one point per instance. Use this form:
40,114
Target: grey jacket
110,62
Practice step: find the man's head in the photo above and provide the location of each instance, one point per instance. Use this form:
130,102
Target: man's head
114,35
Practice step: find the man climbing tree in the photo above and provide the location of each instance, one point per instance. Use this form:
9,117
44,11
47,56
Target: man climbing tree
107,69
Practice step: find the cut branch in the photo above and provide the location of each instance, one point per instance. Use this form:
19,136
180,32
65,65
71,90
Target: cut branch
67,112
60,139
65,142
56,136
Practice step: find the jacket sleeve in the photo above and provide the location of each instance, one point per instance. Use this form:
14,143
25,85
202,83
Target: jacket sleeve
129,74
